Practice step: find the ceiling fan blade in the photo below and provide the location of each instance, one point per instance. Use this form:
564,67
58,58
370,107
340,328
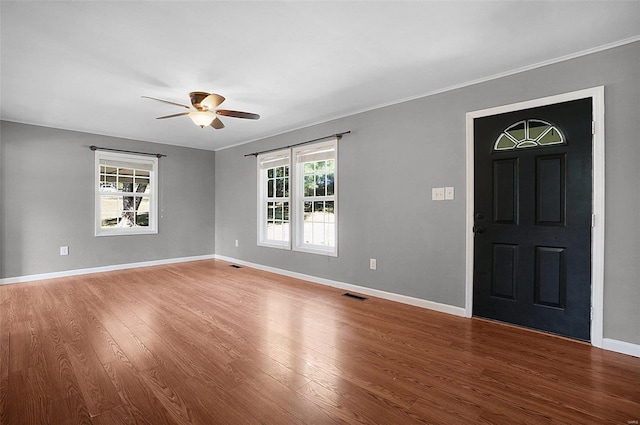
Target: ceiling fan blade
197,97
217,124
212,101
166,101
237,114
174,115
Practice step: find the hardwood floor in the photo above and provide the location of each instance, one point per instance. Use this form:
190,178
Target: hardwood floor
205,343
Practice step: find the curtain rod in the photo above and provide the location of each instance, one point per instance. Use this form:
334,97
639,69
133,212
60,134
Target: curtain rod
98,148
338,135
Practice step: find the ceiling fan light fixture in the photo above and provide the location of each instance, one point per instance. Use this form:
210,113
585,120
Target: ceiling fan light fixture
202,118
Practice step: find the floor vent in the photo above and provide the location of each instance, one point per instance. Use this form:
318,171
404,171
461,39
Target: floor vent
235,266
355,297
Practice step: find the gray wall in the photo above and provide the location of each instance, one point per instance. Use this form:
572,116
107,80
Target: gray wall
47,189
394,156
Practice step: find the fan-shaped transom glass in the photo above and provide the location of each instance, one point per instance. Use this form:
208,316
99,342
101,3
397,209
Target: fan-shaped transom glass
528,134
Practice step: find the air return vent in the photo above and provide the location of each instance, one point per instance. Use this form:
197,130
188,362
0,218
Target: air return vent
355,297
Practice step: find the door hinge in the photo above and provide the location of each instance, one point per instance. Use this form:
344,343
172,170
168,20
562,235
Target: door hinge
593,220
593,128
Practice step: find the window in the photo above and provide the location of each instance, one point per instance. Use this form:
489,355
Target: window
273,194
315,204
528,134
126,194
305,217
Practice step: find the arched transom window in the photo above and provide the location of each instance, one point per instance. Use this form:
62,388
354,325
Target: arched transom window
528,134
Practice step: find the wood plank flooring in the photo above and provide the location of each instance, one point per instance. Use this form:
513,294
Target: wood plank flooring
205,343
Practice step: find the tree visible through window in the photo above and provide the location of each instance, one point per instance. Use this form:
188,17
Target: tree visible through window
125,195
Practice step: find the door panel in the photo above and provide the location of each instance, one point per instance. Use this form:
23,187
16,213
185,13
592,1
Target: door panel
532,244
551,276
551,190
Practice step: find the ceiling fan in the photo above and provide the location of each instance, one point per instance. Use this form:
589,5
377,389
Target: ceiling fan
203,110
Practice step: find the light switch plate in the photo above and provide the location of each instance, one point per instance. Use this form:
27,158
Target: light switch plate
64,250
448,193
437,193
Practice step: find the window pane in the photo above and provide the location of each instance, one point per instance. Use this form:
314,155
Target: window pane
504,143
277,230
330,234
109,220
286,188
280,172
285,209
329,211
270,191
141,173
516,131
108,183
307,235
318,234
330,185
270,173
308,168
551,138
144,204
320,189
280,187
309,185
270,206
125,184
142,184
110,210
142,220
308,210
536,128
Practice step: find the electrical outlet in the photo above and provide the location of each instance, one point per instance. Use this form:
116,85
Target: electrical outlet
236,243
437,194
372,263
448,193
64,250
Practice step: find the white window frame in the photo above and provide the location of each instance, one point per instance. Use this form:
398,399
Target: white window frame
131,161
264,162
329,148
296,196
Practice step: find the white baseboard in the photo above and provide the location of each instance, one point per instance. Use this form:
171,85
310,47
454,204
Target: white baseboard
67,273
621,347
431,305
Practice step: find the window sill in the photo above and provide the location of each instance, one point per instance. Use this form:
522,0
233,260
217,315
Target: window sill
123,232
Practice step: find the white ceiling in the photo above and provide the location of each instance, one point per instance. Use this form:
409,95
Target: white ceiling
85,65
